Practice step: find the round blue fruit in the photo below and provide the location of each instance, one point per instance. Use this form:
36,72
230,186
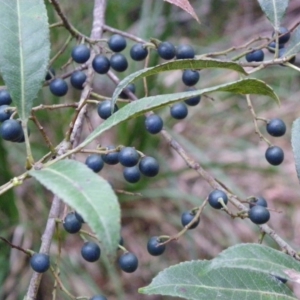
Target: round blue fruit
90,251
154,124
11,130
101,64
71,223
274,155
259,214
5,98
77,79
272,47
95,162
118,62
40,262
79,217
276,127
128,157
149,166
132,174
284,35
258,201
154,248
81,54
50,74
104,109
138,52
214,196
185,52
5,112
111,158
130,87
128,262
193,101
187,217
190,77
256,55
179,111
117,43
58,87
166,50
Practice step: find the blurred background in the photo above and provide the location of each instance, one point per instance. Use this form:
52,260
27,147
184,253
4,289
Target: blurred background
218,133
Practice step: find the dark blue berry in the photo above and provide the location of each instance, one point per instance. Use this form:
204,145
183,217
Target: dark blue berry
272,47
185,52
154,248
90,251
50,74
11,130
81,54
117,43
149,166
101,64
95,162
40,262
131,88
166,50
104,109
71,223
128,262
256,55
128,157
179,111
213,199
190,77
284,35
259,214
276,127
58,87
5,97
187,217
138,52
132,174
78,78
154,124
111,158
98,297
118,62
5,113
258,201
79,217
274,155
194,100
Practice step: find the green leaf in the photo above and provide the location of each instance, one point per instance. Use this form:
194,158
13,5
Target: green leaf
139,107
89,194
182,64
296,144
294,44
219,279
25,49
274,10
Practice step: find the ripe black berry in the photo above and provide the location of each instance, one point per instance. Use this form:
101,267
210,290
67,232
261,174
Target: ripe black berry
179,111
128,262
116,43
194,100
185,52
131,88
58,87
153,248
81,54
50,74
118,62
98,297
259,214
276,127
5,97
5,113
128,157
272,47
149,166
95,162
11,130
132,174
274,155
256,55
284,35
101,64
154,124
79,217
40,262
77,79
166,50
104,109
190,77
90,251
213,199
138,52
258,201
111,158
187,217
71,223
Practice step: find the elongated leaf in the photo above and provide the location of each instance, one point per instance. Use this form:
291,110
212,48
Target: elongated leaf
274,10
177,65
185,5
294,43
219,279
89,194
136,108
24,50
296,144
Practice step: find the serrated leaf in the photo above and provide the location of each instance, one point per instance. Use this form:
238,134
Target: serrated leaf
139,107
296,144
89,194
182,64
274,10
294,44
24,50
220,280
185,5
